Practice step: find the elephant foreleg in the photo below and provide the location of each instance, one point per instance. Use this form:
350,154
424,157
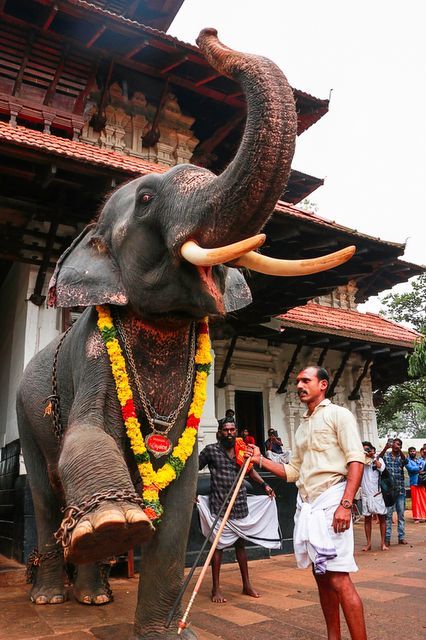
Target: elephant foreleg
163,561
106,518
47,567
90,585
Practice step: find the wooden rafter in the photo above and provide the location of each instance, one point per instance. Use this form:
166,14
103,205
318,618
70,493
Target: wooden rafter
96,36
354,394
19,78
149,70
36,297
59,69
380,351
338,374
219,135
98,120
50,18
283,386
49,176
322,356
81,99
221,382
208,79
398,354
176,63
153,135
136,49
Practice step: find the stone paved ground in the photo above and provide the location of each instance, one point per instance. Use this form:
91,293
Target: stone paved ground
392,585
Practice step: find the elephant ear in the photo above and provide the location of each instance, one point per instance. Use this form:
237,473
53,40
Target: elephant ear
237,293
86,275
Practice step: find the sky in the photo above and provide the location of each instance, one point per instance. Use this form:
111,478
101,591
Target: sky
369,57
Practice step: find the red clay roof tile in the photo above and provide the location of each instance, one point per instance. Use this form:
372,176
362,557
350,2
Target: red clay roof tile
80,151
348,323
133,166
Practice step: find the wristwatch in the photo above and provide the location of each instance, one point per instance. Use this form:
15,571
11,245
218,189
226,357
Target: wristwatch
346,504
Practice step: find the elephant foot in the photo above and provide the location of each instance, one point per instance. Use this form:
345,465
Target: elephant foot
48,578
48,594
110,530
89,588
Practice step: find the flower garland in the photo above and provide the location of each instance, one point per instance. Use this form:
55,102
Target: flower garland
154,481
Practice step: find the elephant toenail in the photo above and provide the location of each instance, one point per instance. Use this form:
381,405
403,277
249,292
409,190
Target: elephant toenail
41,600
59,599
101,599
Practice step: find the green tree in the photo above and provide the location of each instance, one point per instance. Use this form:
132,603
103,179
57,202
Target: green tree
308,205
404,406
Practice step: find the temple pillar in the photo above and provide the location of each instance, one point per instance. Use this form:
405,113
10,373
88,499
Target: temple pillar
208,423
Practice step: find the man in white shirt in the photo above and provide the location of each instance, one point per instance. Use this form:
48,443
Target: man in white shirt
371,495
327,467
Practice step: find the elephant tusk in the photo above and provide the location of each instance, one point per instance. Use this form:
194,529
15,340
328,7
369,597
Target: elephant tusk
275,267
192,252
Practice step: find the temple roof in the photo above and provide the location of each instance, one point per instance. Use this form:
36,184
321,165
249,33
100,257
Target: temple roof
158,14
79,151
317,329
100,32
55,169
347,322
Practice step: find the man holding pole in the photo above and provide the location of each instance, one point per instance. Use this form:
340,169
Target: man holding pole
327,467
259,523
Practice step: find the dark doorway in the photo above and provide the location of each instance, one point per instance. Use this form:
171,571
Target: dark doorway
249,413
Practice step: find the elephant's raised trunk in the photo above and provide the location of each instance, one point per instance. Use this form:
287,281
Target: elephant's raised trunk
250,186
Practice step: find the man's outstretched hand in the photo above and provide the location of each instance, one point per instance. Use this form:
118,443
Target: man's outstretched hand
253,452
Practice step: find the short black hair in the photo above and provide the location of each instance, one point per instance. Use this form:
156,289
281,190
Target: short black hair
321,373
367,444
412,449
230,422
399,440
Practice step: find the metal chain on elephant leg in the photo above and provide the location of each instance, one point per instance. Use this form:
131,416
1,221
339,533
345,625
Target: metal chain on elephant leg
74,513
53,406
103,571
35,559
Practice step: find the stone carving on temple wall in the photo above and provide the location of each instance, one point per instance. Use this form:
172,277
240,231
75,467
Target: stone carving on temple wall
341,298
129,120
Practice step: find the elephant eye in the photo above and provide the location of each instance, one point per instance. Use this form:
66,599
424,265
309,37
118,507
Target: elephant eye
146,197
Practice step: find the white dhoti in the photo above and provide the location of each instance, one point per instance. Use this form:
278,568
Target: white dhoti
260,526
314,538
373,504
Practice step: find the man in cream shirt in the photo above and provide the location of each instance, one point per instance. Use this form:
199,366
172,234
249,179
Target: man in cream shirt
327,467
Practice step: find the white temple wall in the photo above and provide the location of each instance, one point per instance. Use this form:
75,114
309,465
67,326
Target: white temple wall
257,366
25,329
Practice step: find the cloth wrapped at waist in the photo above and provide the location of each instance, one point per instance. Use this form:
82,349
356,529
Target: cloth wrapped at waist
314,539
259,527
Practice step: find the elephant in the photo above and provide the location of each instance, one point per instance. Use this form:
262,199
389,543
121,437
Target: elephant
166,251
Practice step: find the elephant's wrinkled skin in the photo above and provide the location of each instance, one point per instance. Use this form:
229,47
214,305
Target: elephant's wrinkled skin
131,260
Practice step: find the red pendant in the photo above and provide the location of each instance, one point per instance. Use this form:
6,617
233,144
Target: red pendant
158,444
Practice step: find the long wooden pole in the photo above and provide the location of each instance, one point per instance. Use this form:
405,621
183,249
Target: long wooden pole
182,622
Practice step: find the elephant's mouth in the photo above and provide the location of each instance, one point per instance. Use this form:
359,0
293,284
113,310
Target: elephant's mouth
207,279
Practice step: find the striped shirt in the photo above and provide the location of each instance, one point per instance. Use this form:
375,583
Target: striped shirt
395,466
223,471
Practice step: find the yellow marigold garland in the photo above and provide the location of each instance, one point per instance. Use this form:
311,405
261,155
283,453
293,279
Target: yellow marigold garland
154,481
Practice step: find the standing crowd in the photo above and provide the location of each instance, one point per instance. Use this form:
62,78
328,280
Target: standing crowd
383,490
